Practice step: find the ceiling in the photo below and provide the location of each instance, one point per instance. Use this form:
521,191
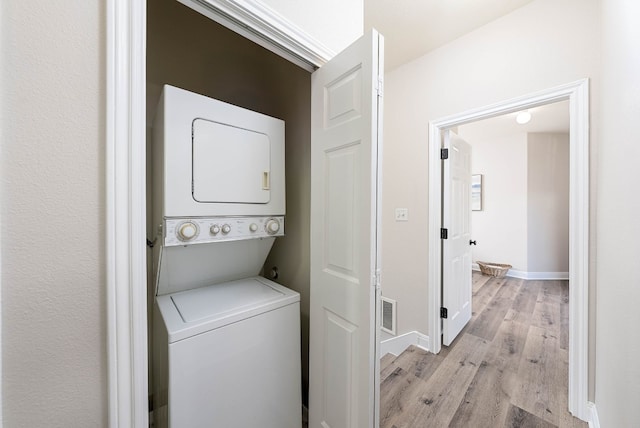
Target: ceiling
547,118
412,28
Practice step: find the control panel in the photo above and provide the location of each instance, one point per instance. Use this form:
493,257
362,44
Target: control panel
199,230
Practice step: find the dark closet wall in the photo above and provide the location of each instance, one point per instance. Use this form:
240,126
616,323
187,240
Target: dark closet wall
190,51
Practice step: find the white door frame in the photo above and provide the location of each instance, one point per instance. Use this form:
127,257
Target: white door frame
126,213
578,95
125,178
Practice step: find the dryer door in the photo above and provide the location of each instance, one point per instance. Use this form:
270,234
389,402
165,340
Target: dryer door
230,164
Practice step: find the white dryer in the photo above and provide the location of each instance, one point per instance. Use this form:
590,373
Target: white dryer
215,159
226,342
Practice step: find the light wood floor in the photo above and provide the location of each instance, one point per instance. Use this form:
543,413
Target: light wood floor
507,368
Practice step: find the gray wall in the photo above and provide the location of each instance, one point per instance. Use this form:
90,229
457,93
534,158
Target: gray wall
547,202
54,356
188,50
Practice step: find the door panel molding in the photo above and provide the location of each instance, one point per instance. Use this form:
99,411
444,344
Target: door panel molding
578,95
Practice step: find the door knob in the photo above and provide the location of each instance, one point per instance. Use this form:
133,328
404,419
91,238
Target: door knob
472,242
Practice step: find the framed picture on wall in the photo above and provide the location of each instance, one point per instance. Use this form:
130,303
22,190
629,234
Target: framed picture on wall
476,192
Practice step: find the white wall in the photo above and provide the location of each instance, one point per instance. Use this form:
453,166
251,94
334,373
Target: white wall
500,229
548,202
524,219
54,352
618,256
542,45
334,23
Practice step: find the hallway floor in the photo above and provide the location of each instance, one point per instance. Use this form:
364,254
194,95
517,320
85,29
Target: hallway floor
507,368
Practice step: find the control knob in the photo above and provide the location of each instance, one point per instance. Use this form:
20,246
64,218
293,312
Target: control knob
215,229
272,226
253,227
226,229
187,231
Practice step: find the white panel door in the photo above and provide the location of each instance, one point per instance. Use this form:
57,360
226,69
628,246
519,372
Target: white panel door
344,237
456,248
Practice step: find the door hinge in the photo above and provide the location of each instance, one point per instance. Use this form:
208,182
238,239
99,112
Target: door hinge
380,87
376,279
444,233
444,153
443,313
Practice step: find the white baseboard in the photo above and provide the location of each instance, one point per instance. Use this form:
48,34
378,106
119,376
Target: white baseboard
594,422
540,276
397,345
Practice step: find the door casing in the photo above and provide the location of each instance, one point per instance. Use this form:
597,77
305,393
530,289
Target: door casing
125,180
578,95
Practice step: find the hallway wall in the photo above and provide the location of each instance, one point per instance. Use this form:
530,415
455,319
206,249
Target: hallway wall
52,95
500,228
478,69
618,268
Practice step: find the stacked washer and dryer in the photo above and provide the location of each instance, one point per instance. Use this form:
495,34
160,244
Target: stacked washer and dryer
226,342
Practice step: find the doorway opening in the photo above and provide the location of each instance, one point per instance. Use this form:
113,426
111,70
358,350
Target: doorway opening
577,95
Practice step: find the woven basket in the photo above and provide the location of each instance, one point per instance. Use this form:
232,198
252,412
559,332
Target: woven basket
498,270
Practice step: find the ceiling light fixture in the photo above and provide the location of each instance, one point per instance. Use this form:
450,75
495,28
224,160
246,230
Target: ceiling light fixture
523,117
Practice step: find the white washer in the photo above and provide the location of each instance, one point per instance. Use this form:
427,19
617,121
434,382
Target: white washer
228,355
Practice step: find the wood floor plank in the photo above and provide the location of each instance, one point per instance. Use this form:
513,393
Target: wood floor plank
488,321
483,296
564,315
386,360
520,418
486,401
537,391
547,311
438,401
389,368
551,288
524,302
518,379
419,362
397,391
478,280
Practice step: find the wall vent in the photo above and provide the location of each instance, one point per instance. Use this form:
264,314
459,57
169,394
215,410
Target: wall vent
388,315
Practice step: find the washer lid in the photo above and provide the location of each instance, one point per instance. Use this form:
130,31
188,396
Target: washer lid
218,305
223,299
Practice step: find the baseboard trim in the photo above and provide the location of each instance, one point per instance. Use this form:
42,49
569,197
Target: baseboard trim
539,276
397,345
593,421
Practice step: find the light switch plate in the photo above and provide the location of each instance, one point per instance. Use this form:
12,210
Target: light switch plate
402,214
